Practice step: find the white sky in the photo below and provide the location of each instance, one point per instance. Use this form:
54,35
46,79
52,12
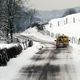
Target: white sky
54,4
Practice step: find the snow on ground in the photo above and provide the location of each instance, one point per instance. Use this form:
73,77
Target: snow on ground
69,25
15,64
76,59
35,33
70,28
64,20
75,52
4,45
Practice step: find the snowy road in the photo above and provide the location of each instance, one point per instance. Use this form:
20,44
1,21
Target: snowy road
50,64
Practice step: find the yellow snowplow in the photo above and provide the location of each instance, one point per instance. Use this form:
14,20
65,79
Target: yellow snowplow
62,41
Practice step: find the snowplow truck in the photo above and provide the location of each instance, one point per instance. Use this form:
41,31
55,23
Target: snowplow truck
62,41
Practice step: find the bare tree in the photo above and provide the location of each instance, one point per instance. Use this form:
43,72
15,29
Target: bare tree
8,11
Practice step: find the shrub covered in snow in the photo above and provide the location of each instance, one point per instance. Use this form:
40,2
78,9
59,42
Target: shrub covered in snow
6,54
14,51
3,57
20,48
30,43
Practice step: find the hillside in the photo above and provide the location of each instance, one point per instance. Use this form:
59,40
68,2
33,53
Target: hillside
22,21
48,15
52,29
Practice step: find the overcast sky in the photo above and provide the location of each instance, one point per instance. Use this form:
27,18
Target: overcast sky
54,4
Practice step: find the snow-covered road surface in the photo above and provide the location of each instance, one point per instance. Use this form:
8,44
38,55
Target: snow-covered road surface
50,64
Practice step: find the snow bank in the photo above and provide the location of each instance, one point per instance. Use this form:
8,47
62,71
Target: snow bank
34,33
71,28
64,20
14,65
3,45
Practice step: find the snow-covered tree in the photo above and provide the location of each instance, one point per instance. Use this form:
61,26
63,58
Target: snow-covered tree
3,17
11,11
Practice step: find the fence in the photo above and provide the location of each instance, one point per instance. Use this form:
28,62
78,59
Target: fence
64,21
73,39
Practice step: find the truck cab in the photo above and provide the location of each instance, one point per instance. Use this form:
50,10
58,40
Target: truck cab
62,41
